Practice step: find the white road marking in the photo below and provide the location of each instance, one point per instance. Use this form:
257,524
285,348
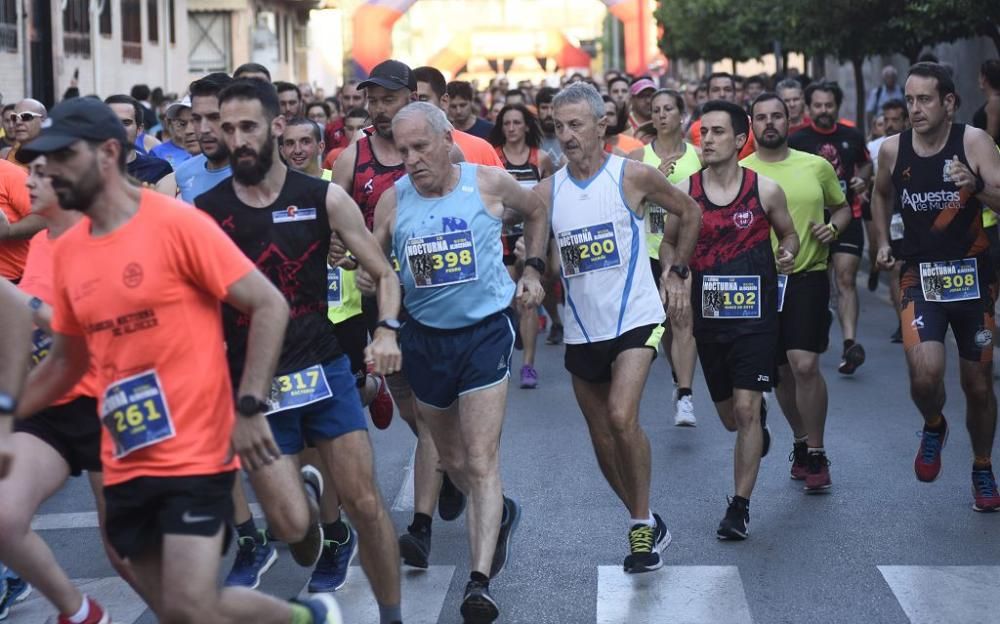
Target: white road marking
404,499
673,595
423,595
114,594
953,594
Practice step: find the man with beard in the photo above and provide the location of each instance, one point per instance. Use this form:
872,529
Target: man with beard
199,174
284,220
640,104
148,170
154,335
844,148
463,110
811,188
289,99
550,144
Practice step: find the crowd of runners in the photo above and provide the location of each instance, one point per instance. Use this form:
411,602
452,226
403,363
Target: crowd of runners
212,312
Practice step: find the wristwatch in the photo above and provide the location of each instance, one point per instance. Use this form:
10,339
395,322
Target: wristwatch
390,324
681,270
249,406
537,264
35,304
8,404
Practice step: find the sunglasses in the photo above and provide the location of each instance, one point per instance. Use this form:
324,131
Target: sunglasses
25,116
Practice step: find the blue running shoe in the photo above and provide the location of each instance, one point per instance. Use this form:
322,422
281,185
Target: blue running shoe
323,608
331,569
14,590
254,557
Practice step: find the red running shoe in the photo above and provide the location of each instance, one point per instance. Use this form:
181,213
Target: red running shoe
927,464
818,475
381,406
798,458
984,489
97,614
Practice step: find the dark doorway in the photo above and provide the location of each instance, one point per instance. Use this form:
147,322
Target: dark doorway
40,36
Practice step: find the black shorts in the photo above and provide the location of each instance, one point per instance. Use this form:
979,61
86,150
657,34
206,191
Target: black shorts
804,322
352,334
747,362
972,321
851,240
72,429
141,511
591,361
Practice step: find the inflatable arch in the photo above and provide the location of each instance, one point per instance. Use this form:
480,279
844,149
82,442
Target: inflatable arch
374,20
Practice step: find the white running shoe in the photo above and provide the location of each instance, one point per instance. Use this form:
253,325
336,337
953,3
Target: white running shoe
684,412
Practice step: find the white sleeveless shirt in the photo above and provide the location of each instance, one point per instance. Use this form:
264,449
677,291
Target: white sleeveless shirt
602,249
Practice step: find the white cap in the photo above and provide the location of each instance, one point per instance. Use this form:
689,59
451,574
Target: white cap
174,107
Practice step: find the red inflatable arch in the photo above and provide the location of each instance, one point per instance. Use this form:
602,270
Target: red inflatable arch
374,20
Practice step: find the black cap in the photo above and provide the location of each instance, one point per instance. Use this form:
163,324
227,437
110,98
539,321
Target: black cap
72,120
392,75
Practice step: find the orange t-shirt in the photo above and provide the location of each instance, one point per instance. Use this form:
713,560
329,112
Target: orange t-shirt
37,282
16,205
748,148
476,150
146,298
627,143
331,157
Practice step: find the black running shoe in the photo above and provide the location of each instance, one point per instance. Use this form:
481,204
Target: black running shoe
736,524
508,524
897,336
854,356
646,544
451,500
555,335
873,280
415,547
307,552
478,606
766,441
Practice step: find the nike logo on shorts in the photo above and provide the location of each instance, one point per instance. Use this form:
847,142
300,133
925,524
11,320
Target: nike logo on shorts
188,518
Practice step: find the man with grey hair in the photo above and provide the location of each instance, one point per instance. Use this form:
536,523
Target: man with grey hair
790,92
597,203
28,116
443,221
890,89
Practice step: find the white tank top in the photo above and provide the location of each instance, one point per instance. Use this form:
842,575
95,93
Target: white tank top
602,248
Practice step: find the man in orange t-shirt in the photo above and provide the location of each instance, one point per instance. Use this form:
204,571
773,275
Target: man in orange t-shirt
137,290
722,86
17,224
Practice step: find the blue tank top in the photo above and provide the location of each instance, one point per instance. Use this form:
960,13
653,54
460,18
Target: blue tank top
451,258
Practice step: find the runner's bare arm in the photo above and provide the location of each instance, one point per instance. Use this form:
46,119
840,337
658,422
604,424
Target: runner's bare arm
636,154
167,185
643,182
984,159
56,375
668,244
498,188
23,229
385,219
343,168
545,165
257,297
15,332
882,200
776,207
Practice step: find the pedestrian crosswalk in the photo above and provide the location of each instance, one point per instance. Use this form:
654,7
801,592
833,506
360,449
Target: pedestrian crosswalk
674,595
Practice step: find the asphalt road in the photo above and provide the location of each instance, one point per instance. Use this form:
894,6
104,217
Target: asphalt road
878,548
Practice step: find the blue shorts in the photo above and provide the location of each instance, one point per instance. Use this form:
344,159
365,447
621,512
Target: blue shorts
443,364
324,420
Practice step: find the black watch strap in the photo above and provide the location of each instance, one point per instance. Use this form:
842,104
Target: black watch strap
248,406
537,264
681,270
391,324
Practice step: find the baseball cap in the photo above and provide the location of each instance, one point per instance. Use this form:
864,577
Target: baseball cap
87,119
174,107
392,75
641,85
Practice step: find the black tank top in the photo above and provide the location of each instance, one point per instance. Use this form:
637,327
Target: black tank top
289,242
940,222
980,120
735,240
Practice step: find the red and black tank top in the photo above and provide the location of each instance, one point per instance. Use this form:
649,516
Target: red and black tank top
735,239
940,221
527,174
371,179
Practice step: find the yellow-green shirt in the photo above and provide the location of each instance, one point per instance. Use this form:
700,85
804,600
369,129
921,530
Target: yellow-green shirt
810,184
656,217
349,295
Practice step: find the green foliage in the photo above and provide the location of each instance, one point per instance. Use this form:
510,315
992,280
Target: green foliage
712,30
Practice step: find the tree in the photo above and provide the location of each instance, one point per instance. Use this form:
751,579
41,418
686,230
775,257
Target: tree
712,30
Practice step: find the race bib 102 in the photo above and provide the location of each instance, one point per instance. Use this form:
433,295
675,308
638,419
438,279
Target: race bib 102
730,296
587,249
442,259
955,280
135,413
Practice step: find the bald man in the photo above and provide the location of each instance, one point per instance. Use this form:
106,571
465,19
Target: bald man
28,117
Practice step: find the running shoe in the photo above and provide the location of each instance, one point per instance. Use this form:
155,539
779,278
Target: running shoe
798,457
14,590
927,464
529,377
736,524
897,336
381,406
984,489
323,608
330,573
854,356
415,547
684,411
873,280
451,500
478,606
646,543
306,553
818,473
254,557
97,614
555,335
766,440
508,524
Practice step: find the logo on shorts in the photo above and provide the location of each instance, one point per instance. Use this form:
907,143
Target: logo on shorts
984,337
743,219
503,364
188,518
764,378
132,275
918,323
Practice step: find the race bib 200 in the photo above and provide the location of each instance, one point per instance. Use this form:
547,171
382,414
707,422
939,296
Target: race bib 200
442,259
135,413
730,296
587,249
955,280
